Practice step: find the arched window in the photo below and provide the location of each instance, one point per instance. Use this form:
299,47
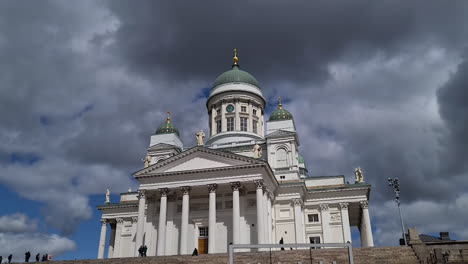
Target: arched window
281,158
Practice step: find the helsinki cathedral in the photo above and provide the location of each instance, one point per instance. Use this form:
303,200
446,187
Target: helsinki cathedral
245,184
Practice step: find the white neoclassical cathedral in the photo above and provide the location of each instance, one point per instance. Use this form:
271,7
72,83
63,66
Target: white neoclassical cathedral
246,184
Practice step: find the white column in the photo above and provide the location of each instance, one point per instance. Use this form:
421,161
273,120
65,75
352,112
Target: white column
118,234
236,116
212,219
162,222
223,118
366,230
265,216
260,222
297,202
213,122
325,217
110,252
235,213
270,226
102,239
345,222
184,220
141,221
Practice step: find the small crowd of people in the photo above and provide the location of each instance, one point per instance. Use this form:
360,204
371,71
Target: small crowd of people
142,250
27,256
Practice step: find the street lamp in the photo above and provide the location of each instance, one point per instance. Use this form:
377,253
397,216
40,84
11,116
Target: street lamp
395,183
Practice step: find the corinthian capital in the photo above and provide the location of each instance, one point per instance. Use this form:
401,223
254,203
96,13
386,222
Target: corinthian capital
104,221
259,184
344,206
212,187
164,191
297,201
141,194
323,207
235,186
186,190
119,220
364,204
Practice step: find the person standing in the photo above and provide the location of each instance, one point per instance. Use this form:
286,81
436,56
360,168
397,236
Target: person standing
38,256
9,258
27,256
281,242
1,259
145,248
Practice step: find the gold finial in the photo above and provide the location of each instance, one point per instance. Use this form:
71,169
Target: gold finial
168,120
235,59
280,105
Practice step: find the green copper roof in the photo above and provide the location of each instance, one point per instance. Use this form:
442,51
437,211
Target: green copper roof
235,76
167,128
280,114
300,159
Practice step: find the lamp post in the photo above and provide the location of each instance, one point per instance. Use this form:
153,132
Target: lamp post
395,183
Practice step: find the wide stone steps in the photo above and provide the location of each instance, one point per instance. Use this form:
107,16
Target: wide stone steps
376,255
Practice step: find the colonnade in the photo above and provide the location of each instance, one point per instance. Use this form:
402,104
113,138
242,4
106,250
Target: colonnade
264,221
264,211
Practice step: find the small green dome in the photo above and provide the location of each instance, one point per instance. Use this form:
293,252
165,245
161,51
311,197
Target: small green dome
235,76
167,128
300,159
280,114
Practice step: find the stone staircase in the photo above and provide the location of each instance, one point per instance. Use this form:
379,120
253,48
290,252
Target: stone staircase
375,255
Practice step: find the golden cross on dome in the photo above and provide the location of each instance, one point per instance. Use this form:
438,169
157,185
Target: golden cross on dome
280,105
168,120
235,59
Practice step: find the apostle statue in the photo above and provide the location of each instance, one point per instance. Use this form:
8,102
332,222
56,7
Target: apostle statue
129,189
200,138
257,151
359,175
147,161
107,196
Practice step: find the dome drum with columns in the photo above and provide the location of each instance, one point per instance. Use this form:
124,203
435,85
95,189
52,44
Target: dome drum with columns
247,183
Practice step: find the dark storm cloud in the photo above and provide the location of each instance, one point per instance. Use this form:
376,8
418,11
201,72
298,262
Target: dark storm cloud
452,99
277,39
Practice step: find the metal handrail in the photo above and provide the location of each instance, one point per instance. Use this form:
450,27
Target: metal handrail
302,245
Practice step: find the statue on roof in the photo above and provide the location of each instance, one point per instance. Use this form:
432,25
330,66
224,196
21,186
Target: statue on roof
257,151
107,196
200,138
359,175
147,161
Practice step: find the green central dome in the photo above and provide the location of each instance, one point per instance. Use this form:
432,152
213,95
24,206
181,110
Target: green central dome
167,128
235,75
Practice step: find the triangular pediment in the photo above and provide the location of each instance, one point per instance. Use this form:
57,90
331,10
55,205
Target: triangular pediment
198,158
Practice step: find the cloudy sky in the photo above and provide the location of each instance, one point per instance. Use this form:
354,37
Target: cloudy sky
83,84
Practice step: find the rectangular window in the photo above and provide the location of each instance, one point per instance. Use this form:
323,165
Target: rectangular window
203,231
313,218
254,112
254,126
218,126
243,123
314,240
282,177
230,123
244,109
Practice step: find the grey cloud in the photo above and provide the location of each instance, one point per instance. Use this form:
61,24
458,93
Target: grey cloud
17,223
278,40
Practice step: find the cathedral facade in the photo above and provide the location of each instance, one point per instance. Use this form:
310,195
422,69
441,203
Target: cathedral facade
245,184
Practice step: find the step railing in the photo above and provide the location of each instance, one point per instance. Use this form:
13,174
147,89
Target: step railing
297,246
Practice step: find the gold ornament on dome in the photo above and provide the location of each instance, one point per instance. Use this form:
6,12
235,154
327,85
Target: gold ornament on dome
235,59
